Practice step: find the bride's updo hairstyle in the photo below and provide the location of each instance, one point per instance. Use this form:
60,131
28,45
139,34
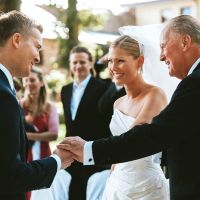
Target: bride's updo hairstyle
130,45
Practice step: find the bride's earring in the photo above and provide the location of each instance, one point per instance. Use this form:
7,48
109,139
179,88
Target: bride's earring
140,70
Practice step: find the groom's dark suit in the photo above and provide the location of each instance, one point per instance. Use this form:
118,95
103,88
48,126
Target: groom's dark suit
176,129
17,176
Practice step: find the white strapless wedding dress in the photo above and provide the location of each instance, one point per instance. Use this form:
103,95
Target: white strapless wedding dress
141,179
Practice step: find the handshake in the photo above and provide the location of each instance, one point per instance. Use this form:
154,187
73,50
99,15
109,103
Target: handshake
70,149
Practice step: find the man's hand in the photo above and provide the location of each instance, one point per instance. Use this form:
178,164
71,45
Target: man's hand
74,145
65,156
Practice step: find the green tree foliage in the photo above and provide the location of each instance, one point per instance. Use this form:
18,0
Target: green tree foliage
8,5
75,21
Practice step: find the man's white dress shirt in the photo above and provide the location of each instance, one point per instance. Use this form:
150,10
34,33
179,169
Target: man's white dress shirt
77,94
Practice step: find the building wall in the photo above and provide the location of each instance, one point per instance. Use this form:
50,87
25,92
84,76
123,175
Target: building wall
49,52
152,12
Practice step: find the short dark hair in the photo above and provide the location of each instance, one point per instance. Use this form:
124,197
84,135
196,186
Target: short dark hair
78,49
16,22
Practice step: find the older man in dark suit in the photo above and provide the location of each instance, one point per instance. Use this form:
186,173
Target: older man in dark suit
20,43
176,129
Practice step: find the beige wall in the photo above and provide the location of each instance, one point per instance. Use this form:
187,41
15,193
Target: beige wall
151,12
49,52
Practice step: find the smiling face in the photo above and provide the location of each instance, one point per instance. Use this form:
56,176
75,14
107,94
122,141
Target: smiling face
172,53
80,66
123,66
32,84
27,53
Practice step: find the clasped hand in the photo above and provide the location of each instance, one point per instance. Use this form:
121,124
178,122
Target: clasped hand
75,145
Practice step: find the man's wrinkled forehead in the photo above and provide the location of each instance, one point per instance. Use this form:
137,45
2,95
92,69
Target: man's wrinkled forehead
166,34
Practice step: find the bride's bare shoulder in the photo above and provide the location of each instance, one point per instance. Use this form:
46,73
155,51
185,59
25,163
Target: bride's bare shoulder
156,94
118,102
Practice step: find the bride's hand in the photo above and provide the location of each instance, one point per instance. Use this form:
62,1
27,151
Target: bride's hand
74,145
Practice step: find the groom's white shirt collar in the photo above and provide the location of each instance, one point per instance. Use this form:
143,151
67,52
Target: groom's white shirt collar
8,75
194,66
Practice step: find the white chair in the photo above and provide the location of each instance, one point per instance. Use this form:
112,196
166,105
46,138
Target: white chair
58,191
96,184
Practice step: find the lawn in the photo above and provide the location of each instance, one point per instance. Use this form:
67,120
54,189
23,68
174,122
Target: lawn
61,135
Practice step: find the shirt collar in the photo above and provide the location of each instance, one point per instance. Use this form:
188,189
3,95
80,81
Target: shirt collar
8,75
194,66
83,83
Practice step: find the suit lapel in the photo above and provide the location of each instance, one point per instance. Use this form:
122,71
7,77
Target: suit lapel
196,68
23,138
3,77
22,150
175,92
87,93
67,98
5,80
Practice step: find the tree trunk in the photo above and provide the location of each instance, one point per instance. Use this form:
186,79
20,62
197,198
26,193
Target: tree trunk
72,23
8,5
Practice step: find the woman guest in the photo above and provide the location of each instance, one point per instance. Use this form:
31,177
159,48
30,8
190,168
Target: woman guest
40,112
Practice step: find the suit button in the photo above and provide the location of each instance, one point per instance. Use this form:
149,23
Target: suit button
90,160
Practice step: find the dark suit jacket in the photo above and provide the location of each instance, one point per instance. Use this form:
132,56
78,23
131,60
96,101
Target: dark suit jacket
17,176
176,129
107,100
89,123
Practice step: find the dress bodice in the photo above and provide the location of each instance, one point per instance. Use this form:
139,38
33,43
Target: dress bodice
121,123
140,179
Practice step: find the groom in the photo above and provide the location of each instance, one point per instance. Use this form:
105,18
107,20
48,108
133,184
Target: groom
20,43
176,129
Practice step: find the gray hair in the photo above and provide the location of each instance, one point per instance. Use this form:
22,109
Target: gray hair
185,24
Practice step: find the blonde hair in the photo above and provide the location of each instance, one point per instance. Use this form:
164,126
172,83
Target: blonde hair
127,43
16,22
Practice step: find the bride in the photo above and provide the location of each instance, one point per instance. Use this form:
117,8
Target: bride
134,62
141,179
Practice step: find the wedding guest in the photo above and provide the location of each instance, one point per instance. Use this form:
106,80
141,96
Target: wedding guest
41,113
80,103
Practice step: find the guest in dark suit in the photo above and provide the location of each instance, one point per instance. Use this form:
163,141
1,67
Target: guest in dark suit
20,43
80,104
107,100
111,94
176,129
